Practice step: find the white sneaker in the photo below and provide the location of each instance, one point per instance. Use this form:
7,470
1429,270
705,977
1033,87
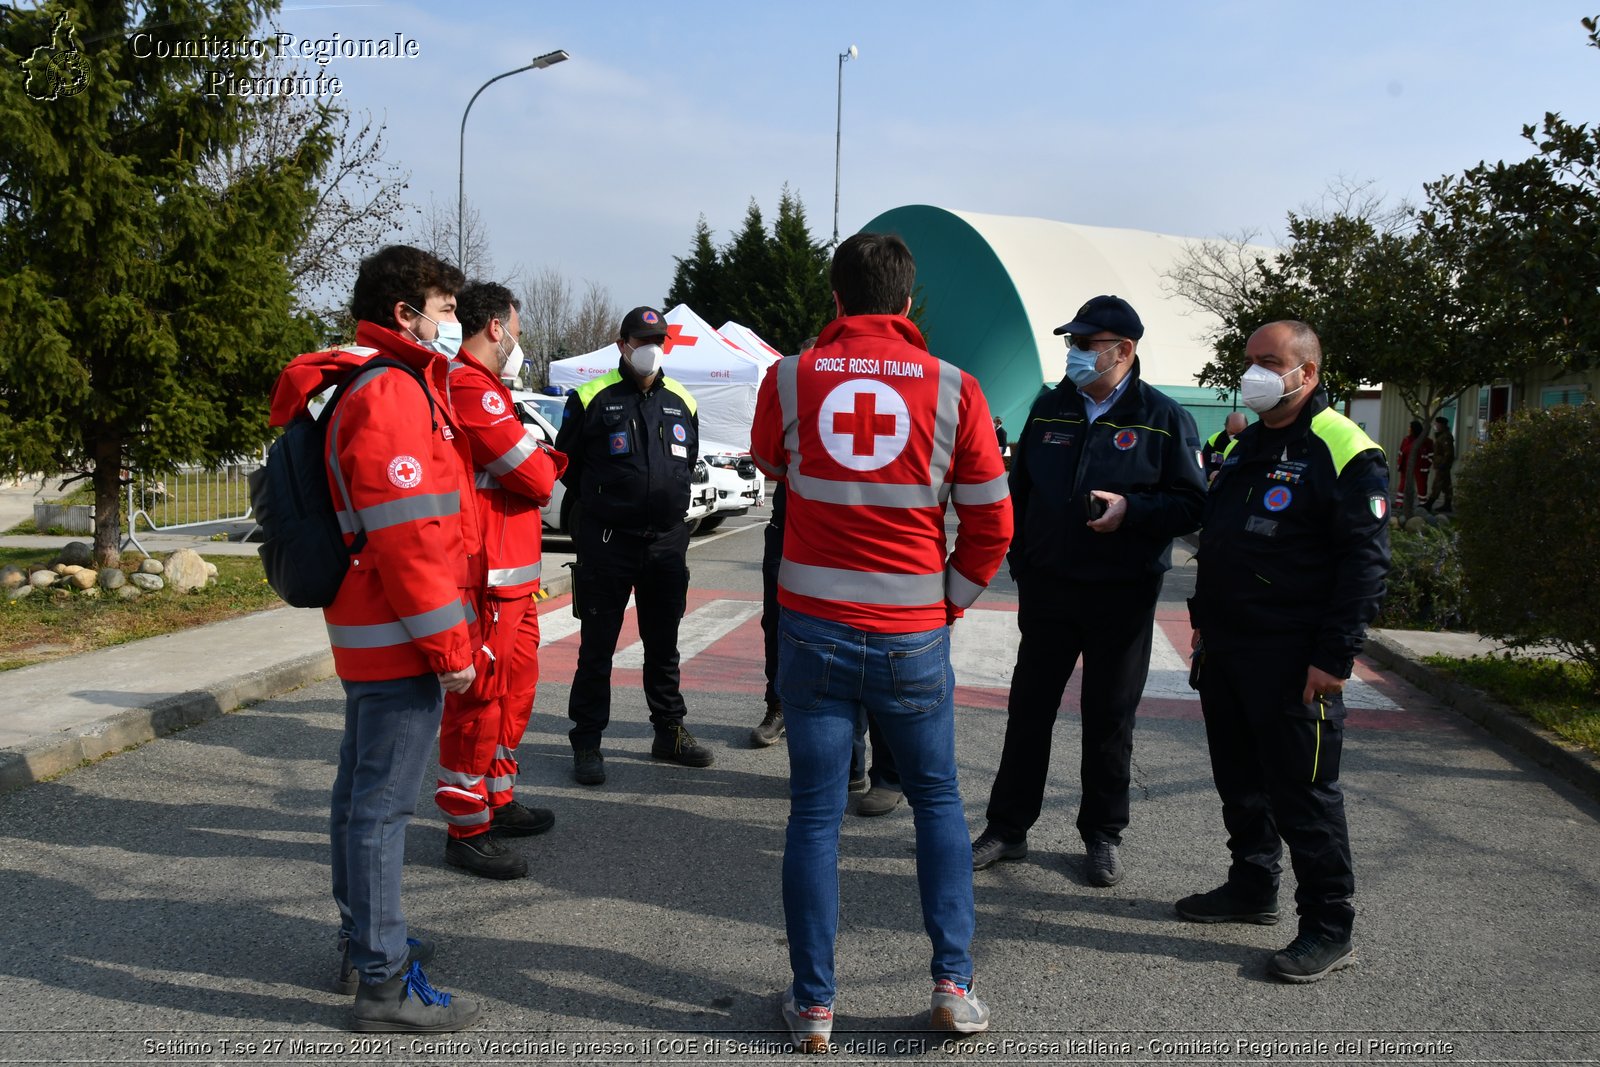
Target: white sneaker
811,1029
957,1009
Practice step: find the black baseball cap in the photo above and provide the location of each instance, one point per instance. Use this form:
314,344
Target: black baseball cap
643,322
1109,313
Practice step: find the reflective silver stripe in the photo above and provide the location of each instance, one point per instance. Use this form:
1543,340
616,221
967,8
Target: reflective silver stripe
410,628
991,492
774,469
467,611
484,480
502,752
878,494
456,364
363,379
959,590
861,587
513,575
460,778
406,509
789,406
512,458
946,418
502,783
477,818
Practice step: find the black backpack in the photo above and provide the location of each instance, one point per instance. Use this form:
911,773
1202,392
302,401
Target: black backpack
304,553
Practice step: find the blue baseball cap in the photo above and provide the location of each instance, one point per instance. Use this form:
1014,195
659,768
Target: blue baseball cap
1109,313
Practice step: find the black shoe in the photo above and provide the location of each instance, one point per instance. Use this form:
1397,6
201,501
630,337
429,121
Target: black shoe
1101,863
349,978
859,785
406,1003
1311,957
1227,905
879,800
485,856
769,731
989,850
677,744
513,820
588,766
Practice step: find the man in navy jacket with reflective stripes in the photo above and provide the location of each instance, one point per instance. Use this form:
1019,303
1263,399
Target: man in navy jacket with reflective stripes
1104,475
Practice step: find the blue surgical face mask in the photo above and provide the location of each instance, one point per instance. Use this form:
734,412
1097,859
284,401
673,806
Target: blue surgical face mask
1081,366
447,341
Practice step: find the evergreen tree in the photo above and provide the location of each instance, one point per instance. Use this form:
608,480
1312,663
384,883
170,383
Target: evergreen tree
747,270
148,313
800,300
697,280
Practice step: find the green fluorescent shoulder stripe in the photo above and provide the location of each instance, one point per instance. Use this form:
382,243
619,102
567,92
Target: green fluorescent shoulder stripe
1136,426
1074,422
1345,440
588,389
1231,444
677,387
1212,440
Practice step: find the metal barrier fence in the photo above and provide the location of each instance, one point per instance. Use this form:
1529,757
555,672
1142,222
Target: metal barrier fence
188,497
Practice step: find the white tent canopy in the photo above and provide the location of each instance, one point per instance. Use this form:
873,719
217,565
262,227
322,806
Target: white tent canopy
721,375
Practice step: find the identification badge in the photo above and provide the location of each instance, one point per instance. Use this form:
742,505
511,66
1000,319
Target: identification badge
1055,437
620,443
1261,527
680,451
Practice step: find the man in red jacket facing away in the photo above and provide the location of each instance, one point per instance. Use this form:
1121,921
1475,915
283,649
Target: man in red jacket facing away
873,436
514,475
400,625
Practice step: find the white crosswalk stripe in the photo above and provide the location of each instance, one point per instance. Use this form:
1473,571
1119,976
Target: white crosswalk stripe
983,650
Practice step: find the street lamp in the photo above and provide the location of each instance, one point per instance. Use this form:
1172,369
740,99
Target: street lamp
549,59
850,53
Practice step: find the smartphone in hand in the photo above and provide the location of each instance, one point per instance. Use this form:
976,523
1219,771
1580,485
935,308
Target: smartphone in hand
1094,506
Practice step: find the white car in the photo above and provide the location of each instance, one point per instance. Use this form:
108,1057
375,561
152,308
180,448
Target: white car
739,485
558,514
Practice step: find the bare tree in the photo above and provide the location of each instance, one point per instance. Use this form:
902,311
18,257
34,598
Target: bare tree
1360,199
595,321
435,231
555,325
360,201
1217,274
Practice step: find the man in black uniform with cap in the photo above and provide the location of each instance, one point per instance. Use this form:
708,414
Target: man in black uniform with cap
1293,556
1104,475
632,440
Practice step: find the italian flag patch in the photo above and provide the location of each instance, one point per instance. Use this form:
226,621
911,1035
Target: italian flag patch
1379,505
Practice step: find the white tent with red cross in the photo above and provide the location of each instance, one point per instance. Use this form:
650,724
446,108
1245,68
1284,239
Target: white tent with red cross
720,375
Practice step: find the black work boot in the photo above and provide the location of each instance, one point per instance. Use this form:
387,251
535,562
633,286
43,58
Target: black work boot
1311,957
511,819
677,744
770,730
406,1003
588,766
485,856
1225,904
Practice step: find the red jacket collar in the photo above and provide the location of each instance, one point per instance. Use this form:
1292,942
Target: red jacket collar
310,374
887,327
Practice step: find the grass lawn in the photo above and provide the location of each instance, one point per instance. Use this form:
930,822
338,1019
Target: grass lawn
45,626
1554,693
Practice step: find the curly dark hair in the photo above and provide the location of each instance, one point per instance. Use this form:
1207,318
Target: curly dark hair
400,272
481,301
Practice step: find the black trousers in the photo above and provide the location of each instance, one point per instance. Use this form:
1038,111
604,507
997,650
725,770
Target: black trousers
1276,765
1110,626
612,564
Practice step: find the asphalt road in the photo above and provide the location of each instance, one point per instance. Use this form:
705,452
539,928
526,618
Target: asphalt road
170,904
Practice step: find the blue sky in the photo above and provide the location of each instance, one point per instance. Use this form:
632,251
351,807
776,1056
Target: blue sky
1184,118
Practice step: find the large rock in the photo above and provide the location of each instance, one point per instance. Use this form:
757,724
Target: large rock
42,579
1416,524
151,566
129,592
76,553
83,579
12,576
65,569
19,592
113,578
93,592
149,583
211,569
185,570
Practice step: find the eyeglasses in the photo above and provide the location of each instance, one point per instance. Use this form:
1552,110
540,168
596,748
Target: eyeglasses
1088,343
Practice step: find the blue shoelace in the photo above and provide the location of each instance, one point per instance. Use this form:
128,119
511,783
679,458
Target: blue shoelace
417,986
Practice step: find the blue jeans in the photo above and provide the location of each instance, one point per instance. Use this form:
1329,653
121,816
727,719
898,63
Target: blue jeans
389,731
828,672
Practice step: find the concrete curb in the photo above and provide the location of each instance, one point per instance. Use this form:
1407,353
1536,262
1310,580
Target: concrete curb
1577,765
47,757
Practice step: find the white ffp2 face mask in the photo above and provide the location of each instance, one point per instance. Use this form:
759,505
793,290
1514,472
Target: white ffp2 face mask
513,364
1261,390
646,359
